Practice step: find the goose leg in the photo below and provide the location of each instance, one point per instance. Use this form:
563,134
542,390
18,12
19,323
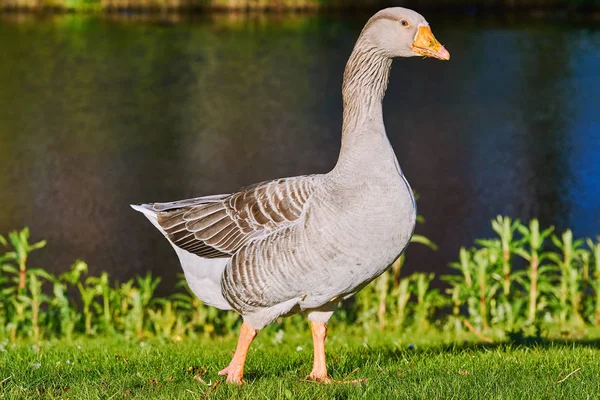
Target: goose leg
235,369
319,334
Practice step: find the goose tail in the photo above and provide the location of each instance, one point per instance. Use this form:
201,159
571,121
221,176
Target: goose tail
150,213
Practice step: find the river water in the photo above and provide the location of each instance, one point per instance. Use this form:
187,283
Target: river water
98,113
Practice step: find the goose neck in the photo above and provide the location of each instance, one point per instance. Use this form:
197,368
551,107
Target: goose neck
365,82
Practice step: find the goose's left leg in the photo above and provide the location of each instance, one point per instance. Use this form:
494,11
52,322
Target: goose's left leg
319,334
235,369
318,326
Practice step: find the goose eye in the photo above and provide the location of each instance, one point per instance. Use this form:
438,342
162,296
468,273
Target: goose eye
404,23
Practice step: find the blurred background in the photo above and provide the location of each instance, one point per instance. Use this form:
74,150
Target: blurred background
278,5
112,102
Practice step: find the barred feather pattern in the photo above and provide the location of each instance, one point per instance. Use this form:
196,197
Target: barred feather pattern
366,77
218,227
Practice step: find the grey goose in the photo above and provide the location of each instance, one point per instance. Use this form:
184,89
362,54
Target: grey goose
303,244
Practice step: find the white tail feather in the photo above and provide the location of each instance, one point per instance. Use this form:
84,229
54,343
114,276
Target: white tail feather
147,210
203,275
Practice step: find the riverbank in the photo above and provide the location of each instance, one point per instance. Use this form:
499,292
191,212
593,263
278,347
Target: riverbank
150,6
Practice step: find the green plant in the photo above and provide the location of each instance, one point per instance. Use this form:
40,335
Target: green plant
595,252
88,292
402,295
163,318
428,300
102,288
534,238
21,249
63,316
18,299
566,261
505,228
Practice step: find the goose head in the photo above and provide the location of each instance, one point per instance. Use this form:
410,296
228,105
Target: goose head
400,32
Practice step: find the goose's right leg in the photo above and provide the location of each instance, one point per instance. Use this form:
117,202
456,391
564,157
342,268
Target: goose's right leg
235,369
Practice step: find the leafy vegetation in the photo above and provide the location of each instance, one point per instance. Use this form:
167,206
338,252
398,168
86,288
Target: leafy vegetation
525,280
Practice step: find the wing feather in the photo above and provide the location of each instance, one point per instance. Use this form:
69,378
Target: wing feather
201,224
193,213
218,226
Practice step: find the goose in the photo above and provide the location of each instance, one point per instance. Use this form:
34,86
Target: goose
305,243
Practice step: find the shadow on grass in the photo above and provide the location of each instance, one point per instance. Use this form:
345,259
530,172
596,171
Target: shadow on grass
514,342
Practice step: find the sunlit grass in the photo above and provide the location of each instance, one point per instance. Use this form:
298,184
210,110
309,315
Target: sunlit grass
394,366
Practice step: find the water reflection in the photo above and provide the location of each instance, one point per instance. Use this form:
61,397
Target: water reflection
96,114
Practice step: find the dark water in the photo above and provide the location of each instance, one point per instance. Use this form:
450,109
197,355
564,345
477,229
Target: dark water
96,114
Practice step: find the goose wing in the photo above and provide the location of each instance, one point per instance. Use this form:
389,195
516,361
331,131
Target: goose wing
217,226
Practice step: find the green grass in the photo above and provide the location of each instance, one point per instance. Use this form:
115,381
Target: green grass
432,369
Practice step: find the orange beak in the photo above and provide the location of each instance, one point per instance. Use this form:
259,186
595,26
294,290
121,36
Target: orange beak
426,44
